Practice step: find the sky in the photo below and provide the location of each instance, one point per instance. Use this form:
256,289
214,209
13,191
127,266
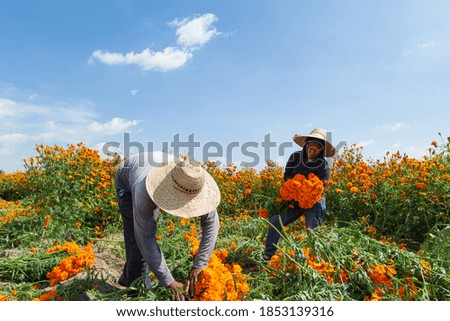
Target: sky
226,74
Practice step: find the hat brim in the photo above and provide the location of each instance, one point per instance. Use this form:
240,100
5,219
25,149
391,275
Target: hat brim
301,140
167,197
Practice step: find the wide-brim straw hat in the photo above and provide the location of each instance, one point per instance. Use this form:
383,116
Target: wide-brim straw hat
317,133
183,188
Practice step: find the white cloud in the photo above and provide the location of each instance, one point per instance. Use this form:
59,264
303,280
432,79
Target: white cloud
426,45
106,149
114,126
24,123
365,143
419,47
7,107
407,53
191,34
14,138
133,92
8,142
395,126
33,96
195,32
415,151
80,112
169,59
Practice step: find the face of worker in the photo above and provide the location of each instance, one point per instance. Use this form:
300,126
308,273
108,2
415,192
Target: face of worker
313,150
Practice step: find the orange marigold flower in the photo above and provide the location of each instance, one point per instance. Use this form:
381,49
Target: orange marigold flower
354,190
47,221
170,226
426,266
263,213
3,297
47,296
421,185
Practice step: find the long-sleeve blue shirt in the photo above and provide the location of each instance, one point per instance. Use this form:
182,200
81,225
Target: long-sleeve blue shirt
298,164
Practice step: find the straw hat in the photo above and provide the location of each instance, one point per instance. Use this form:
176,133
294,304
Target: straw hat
317,133
183,188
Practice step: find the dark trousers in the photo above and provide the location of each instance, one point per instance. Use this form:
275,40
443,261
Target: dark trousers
313,219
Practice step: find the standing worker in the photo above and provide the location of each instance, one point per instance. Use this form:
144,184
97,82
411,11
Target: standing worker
311,159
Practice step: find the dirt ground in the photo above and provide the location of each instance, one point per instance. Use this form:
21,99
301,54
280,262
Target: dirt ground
109,257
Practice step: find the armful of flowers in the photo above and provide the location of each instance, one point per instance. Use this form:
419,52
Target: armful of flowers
305,191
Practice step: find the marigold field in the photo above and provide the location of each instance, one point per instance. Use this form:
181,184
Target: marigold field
386,234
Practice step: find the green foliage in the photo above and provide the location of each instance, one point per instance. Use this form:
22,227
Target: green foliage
437,246
75,189
403,198
14,186
28,267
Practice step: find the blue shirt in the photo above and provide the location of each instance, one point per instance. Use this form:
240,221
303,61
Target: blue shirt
298,164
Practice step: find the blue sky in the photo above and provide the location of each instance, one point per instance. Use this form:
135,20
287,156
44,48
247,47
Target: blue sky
374,73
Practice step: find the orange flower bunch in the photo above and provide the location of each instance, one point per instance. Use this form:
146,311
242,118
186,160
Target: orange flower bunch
218,281
221,282
306,191
79,260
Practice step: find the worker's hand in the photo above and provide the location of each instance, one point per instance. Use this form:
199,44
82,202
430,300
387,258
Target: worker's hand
192,279
176,291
